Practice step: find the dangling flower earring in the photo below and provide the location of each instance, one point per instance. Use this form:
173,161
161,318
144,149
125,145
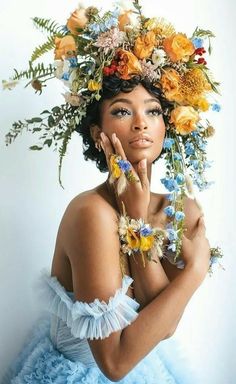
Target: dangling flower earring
98,146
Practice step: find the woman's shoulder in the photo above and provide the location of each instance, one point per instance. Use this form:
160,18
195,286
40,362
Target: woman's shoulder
90,203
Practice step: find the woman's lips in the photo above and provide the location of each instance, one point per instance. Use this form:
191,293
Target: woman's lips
141,143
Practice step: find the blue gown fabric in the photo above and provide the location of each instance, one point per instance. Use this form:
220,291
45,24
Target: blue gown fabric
57,350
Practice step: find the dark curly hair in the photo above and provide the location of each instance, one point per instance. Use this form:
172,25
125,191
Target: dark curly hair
111,86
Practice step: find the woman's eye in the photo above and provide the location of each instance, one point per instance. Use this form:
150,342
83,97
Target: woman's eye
120,112
155,111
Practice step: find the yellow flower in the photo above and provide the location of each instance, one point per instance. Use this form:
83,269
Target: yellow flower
78,19
184,119
193,86
93,85
159,26
115,169
65,47
203,104
128,64
144,45
170,83
132,239
146,242
178,47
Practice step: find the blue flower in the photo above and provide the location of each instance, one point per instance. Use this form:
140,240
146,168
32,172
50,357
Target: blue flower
180,178
111,22
170,197
179,215
169,210
189,148
171,234
168,143
65,76
216,107
177,156
172,247
197,42
170,184
124,165
73,62
145,231
195,164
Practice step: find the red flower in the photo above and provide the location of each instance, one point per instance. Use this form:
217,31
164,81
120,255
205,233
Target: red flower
200,51
201,60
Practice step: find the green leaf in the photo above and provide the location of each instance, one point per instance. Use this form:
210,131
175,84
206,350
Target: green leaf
46,111
48,142
56,110
36,130
51,121
35,148
36,120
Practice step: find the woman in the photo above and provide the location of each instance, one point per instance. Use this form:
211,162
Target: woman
86,266
114,301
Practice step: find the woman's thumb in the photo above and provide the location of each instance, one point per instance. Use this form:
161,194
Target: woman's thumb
201,228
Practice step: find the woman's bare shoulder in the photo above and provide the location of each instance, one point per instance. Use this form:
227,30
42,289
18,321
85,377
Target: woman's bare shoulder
89,201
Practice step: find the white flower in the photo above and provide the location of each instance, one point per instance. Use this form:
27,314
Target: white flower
73,99
158,57
9,84
150,70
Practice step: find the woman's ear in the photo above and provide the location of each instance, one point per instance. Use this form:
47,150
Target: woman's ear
95,131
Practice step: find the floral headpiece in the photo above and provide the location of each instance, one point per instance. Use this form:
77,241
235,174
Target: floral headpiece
125,43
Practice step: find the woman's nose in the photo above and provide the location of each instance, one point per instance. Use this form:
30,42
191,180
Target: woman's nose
139,123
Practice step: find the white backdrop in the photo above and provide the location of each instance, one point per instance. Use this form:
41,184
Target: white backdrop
32,202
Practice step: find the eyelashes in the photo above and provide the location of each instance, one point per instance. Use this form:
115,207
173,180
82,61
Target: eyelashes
121,112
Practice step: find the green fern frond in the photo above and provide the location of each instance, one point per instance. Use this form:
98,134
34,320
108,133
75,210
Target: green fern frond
42,49
32,73
49,26
63,148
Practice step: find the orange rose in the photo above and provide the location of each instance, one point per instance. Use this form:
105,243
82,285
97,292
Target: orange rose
178,47
65,46
128,64
170,83
184,119
125,19
144,45
78,19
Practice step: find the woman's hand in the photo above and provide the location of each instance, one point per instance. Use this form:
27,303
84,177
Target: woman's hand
136,196
196,251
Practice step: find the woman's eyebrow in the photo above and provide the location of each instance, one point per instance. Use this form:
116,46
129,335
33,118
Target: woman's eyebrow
127,101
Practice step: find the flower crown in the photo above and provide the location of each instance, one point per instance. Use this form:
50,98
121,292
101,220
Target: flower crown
125,43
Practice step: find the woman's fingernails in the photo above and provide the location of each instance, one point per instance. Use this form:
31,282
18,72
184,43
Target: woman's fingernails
113,138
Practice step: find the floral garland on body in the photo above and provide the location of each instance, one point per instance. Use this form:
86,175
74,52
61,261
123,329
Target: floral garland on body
125,43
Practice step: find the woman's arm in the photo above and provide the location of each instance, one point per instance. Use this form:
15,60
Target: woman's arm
151,280
92,245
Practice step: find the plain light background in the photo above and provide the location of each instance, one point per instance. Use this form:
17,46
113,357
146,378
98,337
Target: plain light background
32,202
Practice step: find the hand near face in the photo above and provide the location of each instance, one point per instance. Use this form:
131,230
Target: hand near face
136,196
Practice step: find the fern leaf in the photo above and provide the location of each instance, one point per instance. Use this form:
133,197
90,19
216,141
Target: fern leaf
49,26
63,148
34,72
42,49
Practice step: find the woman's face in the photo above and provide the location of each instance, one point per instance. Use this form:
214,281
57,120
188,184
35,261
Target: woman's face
136,119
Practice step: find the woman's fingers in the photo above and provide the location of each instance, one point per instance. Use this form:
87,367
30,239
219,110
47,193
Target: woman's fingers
118,146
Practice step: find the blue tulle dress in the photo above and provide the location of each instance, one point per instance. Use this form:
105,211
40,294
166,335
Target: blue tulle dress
57,350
